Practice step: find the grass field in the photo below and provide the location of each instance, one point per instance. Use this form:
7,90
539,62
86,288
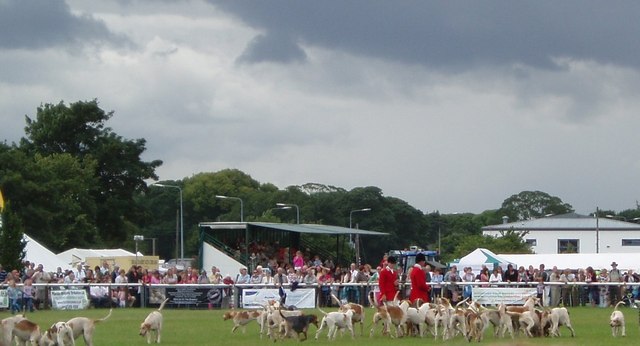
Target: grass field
206,327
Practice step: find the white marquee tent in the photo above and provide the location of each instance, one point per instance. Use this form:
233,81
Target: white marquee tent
37,253
479,257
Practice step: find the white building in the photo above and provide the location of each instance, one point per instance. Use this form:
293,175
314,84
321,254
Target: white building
574,233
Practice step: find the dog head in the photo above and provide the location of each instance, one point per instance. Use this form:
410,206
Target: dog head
229,315
144,328
312,319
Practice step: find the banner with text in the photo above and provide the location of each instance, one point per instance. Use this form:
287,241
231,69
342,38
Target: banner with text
4,299
302,298
506,295
180,295
69,299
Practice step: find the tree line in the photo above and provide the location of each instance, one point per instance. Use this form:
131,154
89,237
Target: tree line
71,181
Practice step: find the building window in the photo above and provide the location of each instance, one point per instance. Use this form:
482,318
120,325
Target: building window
630,242
531,242
568,246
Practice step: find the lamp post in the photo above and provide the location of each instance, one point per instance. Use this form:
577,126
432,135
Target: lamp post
357,238
137,239
241,204
289,205
181,215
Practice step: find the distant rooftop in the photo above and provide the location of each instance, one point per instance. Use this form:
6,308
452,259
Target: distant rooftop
570,221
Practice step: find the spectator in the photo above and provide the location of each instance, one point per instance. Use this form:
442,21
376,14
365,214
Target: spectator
603,290
203,278
556,291
14,294
298,260
267,279
452,277
99,294
467,277
3,274
591,278
436,281
615,276
325,280
495,277
511,275
28,293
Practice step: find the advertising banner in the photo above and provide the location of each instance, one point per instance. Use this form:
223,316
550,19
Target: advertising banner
69,299
301,298
506,295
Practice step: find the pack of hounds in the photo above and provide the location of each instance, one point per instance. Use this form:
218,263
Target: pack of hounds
20,329
396,319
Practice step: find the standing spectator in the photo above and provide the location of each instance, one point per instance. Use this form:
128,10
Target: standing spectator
203,278
317,261
436,280
388,281
484,276
133,276
615,276
28,293
298,260
79,272
3,274
467,277
122,290
569,298
604,290
419,288
310,277
452,277
15,295
267,279
554,278
591,278
495,277
511,275
325,280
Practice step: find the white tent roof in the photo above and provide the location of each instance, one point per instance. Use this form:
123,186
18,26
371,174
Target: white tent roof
479,257
39,254
75,255
575,261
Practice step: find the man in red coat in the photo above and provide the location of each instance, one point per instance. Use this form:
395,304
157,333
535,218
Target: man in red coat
419,288
388,281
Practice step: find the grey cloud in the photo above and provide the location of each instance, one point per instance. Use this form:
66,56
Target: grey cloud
272,48
454,33
33,24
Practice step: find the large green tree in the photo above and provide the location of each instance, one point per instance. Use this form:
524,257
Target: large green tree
79,130
533,204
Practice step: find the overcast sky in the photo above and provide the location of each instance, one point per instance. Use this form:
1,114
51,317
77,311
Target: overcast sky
449,105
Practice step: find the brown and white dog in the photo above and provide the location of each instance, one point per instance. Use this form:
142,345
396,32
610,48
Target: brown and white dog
358,311
336,320
59,334
242,317
26,331
153,323
8,324
616,321
85,326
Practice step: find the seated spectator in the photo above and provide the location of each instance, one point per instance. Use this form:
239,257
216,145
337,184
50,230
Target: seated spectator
99,294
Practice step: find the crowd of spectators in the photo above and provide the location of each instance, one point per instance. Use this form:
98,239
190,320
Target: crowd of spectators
274,265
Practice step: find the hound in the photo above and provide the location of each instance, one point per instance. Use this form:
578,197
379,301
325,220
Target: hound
336,320
616,321
85,326
153,323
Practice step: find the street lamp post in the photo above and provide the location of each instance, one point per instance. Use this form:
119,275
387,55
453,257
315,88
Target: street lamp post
285,205
357,238
241,204
181,216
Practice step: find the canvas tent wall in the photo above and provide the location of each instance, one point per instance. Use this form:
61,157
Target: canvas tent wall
38,254
481,257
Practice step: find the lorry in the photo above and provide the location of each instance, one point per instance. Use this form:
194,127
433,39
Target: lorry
407,258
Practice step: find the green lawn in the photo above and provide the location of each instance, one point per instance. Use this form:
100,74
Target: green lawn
206,327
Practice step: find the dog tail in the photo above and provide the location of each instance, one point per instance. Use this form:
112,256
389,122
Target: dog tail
616,307
104,318
323,312
162,305
335,299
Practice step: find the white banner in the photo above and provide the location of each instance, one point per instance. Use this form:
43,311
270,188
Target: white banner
4,299
302,298
69,299
506,295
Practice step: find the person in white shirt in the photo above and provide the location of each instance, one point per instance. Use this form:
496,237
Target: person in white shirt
79,272
495,277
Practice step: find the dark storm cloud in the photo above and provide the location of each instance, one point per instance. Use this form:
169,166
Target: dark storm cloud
34,24
452,33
